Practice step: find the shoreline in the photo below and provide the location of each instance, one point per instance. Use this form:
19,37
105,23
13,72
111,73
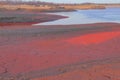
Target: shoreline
64,52
17,18
35,18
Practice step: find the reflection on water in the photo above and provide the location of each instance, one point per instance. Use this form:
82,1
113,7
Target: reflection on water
87,16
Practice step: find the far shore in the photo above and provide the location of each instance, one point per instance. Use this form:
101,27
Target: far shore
50,7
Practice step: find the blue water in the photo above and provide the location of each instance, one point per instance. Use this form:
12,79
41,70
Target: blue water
87,16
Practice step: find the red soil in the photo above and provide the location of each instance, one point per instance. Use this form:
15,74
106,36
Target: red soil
24,55
96,72
93,38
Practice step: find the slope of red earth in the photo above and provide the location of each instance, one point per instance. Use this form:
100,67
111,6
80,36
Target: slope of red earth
74,52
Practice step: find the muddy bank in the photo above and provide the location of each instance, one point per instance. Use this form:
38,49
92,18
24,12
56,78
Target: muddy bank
13,18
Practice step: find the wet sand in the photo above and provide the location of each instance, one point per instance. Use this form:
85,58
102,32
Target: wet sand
72,52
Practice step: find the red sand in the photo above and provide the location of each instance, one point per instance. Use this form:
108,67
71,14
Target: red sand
34,54
97,72
93,38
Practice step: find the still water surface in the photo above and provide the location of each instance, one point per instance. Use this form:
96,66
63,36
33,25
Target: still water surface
87,16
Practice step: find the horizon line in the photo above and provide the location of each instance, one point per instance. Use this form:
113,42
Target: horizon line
62,2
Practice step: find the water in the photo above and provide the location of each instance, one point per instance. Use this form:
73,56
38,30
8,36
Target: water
87,16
